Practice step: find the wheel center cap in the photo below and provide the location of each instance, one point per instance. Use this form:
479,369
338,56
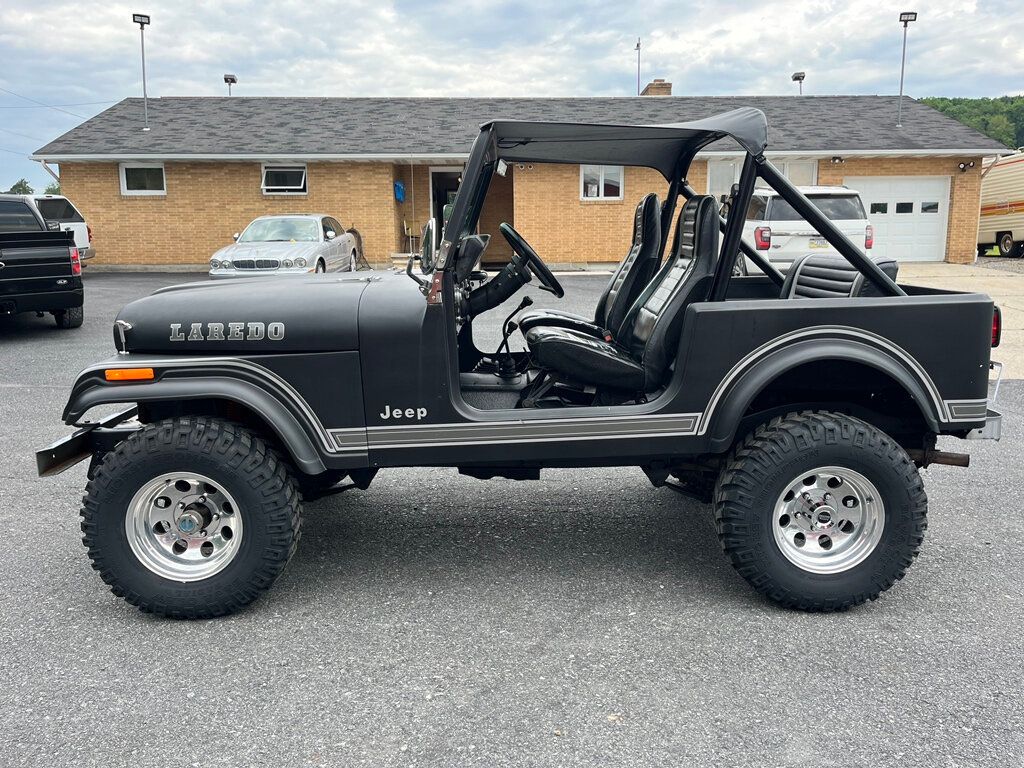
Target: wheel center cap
190,521
823,517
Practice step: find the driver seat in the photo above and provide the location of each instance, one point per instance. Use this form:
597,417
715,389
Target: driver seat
632,276
640,359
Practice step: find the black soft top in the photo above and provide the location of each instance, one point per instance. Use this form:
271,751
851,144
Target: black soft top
653,146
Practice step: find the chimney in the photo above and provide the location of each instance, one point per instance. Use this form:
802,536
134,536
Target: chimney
658,87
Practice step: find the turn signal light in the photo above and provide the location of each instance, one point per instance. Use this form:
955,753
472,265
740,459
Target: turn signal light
76,262
128,374
869,237
763,238
997,326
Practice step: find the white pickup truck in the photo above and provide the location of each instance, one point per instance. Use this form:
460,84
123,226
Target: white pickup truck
59,213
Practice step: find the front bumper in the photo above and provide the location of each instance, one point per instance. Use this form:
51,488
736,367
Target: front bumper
224,274
100,436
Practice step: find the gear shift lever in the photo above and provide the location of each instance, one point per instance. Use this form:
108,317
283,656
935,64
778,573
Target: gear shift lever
506,364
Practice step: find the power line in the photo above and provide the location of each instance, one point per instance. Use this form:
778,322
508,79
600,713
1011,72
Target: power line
26,98
23,135
56,106
23,154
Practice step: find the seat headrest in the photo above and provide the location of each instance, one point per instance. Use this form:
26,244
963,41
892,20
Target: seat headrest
696,229
647,219
830,276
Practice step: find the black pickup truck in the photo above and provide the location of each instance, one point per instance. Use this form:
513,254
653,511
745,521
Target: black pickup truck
800,405
40,268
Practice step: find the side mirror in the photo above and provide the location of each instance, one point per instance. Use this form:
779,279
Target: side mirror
236,236
427,248
330,234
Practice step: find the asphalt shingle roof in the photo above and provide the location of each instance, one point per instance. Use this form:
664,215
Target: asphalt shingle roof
273,126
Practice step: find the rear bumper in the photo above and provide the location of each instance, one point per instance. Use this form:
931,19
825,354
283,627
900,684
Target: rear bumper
47,301
992,430
993,419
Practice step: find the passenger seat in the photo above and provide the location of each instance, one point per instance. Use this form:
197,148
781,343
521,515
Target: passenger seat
829,276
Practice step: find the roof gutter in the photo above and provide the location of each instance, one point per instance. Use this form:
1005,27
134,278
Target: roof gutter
159,157
448,157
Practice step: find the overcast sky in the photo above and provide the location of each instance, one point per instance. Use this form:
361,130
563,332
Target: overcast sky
84,56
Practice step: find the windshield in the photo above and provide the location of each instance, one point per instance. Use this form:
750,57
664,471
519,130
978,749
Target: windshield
281,230
835,208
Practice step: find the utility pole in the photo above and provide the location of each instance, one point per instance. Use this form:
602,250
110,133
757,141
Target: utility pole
906,17
638,66
142,20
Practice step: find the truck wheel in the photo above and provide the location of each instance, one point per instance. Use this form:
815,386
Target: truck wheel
69,318
191,518
820,511
1006,245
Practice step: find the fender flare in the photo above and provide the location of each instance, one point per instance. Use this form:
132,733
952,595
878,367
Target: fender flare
292,434
725,418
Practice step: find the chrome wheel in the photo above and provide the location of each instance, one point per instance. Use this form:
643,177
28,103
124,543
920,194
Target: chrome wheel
183,526
828,520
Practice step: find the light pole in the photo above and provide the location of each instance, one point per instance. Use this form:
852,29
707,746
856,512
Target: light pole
798,77
906,17
142,20
637,66
230,80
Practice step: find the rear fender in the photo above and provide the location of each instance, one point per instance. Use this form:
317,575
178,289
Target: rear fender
732,406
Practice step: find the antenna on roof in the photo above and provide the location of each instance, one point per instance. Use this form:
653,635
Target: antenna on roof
637,49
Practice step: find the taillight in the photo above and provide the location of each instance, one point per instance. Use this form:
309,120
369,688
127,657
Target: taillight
763,238
997,326
76,262
869,236
88,232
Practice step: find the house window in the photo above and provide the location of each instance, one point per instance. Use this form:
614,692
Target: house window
879,208
600,182
284,179
929,207
722,174
904,207
142,179
801,173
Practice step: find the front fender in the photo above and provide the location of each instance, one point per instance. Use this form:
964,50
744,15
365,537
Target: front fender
297,437
729,406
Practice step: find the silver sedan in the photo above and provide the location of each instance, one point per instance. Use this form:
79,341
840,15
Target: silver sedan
287,245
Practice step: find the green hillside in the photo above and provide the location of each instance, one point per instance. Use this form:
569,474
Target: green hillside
1001,118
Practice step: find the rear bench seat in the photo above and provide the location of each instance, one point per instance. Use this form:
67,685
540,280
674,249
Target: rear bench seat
828,276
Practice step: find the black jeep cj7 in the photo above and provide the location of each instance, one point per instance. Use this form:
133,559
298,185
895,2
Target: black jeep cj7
801,406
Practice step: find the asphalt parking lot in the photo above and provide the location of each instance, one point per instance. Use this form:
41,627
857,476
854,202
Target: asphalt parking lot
439,620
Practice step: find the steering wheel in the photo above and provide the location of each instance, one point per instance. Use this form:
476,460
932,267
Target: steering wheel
532,261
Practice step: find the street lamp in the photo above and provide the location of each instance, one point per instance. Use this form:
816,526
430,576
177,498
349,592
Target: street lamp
798,77
142,20
905,18
230,80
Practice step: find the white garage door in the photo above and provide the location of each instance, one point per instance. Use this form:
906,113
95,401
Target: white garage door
909,214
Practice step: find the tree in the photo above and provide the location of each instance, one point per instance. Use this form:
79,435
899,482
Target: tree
21,187
1001,118
53,188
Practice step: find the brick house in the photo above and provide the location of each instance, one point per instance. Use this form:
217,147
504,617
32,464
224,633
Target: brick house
170,196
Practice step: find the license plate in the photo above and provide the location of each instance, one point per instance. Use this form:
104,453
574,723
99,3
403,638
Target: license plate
818,242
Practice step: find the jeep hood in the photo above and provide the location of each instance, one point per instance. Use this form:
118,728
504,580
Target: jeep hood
249,315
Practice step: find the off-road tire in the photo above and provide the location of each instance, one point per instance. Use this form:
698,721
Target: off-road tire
754,477
69,318
257,478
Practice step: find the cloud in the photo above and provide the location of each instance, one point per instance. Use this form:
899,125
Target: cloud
483,48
